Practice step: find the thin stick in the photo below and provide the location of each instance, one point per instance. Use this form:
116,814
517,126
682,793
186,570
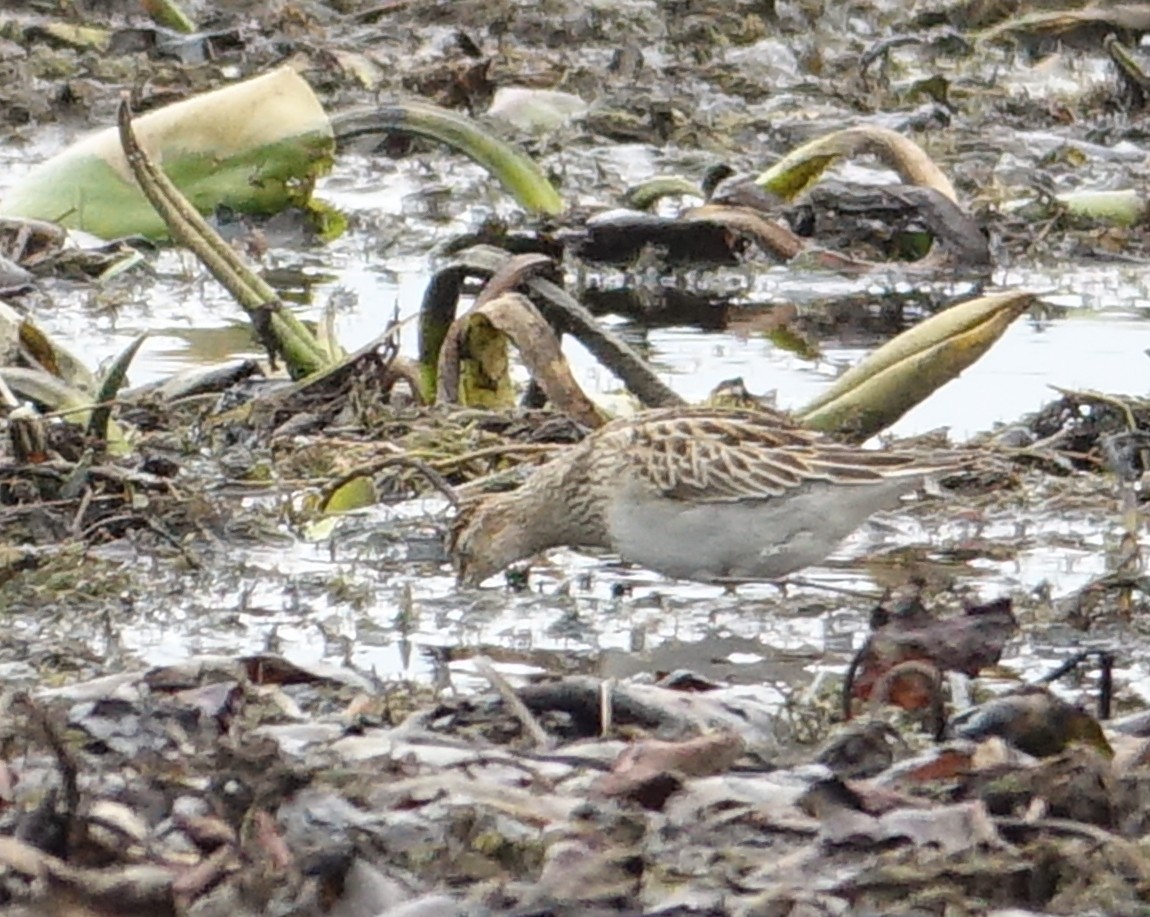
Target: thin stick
537,733
438,481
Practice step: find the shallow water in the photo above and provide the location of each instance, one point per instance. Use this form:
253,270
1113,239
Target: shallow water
1097,338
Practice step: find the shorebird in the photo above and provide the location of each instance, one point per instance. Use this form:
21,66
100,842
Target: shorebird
707,494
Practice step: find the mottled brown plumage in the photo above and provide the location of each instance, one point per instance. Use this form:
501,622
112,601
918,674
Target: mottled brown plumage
699,493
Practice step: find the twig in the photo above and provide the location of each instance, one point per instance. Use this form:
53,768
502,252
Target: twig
438,481
497,452
537,733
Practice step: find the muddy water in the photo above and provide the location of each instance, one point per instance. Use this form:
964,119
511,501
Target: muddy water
398,600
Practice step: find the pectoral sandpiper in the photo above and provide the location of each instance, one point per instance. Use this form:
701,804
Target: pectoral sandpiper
714,495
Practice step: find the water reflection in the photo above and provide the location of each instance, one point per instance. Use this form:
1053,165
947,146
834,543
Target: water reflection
283,598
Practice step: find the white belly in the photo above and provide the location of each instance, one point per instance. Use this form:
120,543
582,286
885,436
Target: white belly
748,540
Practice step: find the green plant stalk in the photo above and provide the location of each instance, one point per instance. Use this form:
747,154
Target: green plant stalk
110,387
906,370
518,173
302,353
436,313
168,14
647,194
803,166
950,324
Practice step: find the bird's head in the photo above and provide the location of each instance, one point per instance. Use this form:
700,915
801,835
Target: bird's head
486,536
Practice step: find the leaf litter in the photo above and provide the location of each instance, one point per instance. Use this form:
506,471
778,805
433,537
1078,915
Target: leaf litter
248,783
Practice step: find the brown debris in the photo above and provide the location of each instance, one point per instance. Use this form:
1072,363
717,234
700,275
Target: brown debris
909,649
